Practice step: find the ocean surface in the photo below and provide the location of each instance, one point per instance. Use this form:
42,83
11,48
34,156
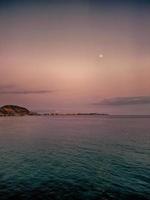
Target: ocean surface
74,158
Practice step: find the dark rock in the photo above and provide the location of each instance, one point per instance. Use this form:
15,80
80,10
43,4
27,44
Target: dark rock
13,110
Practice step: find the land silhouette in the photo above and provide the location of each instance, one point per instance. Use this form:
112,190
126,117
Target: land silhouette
14,110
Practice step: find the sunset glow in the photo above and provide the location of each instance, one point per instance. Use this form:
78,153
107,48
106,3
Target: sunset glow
77,49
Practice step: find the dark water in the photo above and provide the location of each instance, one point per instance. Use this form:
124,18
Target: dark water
74,158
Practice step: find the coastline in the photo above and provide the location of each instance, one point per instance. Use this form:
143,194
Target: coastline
76,115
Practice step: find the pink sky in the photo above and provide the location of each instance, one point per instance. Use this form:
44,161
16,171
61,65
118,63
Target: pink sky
55,48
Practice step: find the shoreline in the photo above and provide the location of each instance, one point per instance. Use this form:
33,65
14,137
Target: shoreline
52,115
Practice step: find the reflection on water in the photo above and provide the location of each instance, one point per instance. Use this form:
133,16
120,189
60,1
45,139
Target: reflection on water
83,158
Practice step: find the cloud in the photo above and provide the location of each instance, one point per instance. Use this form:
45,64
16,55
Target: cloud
15,90
25,92
5,87
119,101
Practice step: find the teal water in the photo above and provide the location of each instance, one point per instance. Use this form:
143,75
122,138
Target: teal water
74,158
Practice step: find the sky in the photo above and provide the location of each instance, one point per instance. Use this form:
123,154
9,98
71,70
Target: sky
76,56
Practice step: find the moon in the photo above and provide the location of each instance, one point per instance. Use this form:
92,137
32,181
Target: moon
101,56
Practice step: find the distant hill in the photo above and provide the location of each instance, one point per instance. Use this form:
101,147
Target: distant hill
13,110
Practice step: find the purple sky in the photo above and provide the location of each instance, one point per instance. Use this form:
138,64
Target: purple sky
49,55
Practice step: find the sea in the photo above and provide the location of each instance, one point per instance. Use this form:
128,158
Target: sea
74,158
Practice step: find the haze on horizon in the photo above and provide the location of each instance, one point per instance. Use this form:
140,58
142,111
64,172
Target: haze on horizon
70,55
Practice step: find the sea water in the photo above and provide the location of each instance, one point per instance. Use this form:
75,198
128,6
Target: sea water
74,158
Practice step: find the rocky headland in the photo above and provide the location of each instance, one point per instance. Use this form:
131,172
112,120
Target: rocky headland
13,110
